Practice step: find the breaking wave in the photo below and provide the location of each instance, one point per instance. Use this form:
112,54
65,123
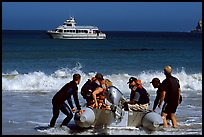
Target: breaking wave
40,81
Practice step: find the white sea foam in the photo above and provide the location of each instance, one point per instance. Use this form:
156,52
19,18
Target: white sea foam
40,81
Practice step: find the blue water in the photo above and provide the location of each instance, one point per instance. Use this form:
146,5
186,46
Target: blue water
35,67
121,52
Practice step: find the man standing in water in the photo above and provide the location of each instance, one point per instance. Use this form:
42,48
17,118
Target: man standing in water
171,92
58,101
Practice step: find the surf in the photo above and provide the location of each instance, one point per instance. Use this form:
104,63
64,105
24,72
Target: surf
40,81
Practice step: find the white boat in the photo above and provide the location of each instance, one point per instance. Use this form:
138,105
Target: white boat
198,28
69,30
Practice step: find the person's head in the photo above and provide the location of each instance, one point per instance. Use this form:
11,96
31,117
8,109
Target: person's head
108,83
99,76
77,78
132,81
167,70
155,82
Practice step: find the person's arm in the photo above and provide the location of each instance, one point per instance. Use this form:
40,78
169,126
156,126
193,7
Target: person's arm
69,100
179,94
76,100
162,98
163,93
156,102
179,91
135,99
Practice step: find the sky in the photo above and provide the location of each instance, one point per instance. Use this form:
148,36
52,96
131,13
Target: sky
107,16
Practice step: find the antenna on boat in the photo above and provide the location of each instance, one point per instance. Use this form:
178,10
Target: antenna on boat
70,14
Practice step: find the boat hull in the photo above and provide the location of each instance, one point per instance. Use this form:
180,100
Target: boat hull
100,117
94,117
56,35
149,120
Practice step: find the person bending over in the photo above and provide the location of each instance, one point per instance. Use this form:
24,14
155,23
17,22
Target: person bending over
99,91
58,101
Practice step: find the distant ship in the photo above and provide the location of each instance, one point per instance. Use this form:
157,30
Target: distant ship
198,28
69,30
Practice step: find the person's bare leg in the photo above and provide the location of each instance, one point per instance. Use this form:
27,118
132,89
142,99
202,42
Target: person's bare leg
97,91
164,120
173,119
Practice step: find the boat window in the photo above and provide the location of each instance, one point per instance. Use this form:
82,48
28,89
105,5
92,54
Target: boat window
60,30
69,24
72,31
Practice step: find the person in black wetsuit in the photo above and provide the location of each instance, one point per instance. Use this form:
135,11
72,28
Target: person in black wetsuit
171,92
58,101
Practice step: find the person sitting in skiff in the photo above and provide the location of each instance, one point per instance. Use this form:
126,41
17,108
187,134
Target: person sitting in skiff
139,97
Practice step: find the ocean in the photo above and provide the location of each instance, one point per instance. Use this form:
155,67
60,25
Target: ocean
35,67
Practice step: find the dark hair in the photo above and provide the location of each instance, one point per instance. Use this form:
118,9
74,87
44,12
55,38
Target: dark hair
76,77
131,80
99,76
155,80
